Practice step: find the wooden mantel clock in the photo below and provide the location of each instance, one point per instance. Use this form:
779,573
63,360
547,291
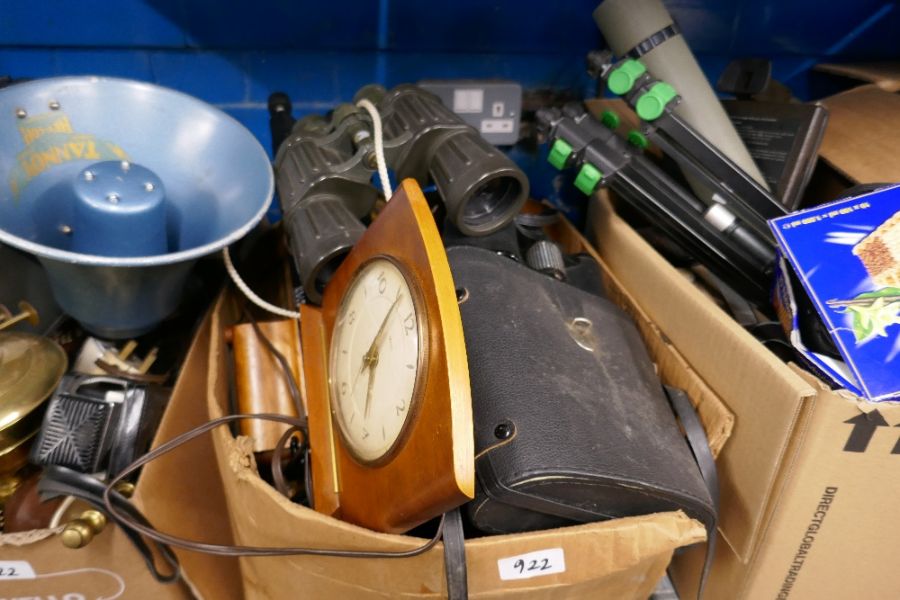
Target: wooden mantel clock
387,382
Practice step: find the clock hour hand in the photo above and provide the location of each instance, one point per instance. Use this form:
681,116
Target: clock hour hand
369,388
362,369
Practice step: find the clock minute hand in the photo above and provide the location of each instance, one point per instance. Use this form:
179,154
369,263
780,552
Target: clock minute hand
372,354
370,358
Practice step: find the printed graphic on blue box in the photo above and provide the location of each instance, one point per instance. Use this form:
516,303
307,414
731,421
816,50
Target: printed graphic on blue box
847,256
824,366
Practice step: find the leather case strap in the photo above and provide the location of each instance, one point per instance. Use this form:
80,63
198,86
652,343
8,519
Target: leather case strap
455,556
699,443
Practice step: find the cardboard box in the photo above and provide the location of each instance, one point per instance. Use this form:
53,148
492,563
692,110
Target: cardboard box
885,75
616,559
184,493
861,138
807,476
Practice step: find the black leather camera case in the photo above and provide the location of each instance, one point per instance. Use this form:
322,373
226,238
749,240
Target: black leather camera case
571,422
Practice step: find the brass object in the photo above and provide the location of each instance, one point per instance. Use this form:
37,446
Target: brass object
8,486
79,532
126,488
30,369
124,363
127,350
14,456
95,518
148,361
26,313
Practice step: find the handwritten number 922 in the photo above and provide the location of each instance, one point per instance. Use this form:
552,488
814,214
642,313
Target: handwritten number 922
532,565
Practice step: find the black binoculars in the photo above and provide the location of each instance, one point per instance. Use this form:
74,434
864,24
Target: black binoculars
324,169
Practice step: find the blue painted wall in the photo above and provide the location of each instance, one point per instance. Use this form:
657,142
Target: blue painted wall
233,54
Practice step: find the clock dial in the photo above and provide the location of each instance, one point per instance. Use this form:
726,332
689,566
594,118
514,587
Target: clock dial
377,353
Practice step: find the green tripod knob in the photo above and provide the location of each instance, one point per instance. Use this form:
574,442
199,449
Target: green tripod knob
622,79
610,119
652,104
588,178
638,139
560,152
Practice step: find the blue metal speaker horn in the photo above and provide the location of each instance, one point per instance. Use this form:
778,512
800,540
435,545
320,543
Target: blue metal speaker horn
117,187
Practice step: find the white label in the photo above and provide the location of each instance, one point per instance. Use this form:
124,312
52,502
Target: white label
497,125
498,109
533,564
15,569
468,100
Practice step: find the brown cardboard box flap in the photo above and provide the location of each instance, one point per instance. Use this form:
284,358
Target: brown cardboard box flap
181,492
623,558
862,134
610,555
836,497
832,498
710,341
885,75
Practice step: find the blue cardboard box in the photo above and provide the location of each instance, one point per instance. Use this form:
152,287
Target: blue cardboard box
846,254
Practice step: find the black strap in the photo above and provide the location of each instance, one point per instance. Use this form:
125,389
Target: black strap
654,40
455,556
699,443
